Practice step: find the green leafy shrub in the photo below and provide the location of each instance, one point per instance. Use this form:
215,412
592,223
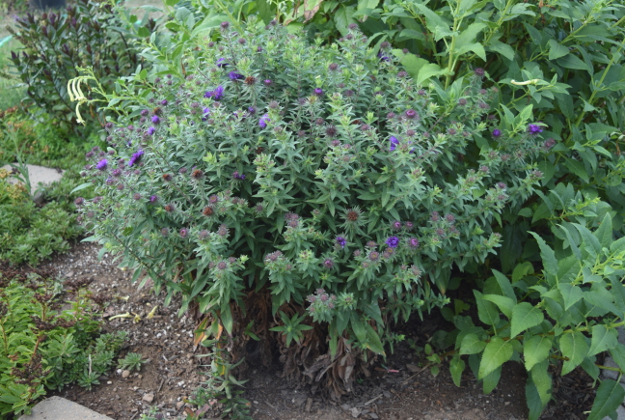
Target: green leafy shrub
132,361
88,34
565,315
44,347
322,177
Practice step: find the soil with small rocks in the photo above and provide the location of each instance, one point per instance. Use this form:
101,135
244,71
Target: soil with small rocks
401,389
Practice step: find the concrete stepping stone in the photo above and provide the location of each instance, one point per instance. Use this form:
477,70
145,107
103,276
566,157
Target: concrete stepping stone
37,174
57,408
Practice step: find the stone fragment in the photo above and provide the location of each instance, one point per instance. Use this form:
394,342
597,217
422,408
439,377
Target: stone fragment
148,398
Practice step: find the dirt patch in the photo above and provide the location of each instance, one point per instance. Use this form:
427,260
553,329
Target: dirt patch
399,389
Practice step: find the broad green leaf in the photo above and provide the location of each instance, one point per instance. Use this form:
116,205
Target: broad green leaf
618,354
475,47
486,311
504,49
602,339
535,350
541,378
524,316
577,167
609,396
570,294
490,381
504,303
589,241
496,353
427,71
456,367
506,286
574,347
413,65
604,233
534,402
573,62
373,341
436,24
550,263
471,344
556,50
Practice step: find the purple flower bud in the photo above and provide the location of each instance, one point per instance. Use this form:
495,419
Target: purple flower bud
319,92
136,196
184,232
396,225
156,119
413,243
479,72
203,235
164,102
225,25
145,113
79,201
534,129
341,241
221,63
411,114
153,199
496,132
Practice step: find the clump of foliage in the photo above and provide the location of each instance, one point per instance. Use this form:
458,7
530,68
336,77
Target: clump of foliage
322,178
45,347
89,34
132,361
30,233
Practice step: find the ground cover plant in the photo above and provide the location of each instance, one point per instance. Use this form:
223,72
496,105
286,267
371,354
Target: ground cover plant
44,347
321,178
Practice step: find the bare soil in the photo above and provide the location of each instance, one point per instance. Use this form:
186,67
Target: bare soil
175,370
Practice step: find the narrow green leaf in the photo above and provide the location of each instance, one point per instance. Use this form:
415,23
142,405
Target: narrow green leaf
524,316
602,339
535,350
550,263
609,396
574,347
496,353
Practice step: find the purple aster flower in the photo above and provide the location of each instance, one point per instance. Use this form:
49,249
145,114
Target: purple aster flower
534,129
151,131
156,119
135,158
267,82
392,242
153,199
394,143
222,63
263,121
216,94
382,57
233,75
341,241
251,110
496,132
102,165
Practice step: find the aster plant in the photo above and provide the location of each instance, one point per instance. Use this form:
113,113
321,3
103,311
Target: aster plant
322,179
